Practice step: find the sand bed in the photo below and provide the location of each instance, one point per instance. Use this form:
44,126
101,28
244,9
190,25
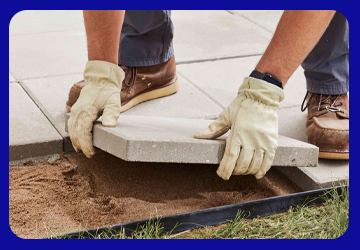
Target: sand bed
74,192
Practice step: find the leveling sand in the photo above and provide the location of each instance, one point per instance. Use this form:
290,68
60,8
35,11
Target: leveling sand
75,193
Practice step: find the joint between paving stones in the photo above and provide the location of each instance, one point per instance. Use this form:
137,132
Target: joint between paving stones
40,107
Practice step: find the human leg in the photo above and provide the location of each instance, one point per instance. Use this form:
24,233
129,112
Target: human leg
146,54
327,79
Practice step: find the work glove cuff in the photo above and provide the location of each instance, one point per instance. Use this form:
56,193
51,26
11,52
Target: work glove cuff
98,72
261,91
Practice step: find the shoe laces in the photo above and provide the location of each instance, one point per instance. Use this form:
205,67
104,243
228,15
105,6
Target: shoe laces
130,71
324,100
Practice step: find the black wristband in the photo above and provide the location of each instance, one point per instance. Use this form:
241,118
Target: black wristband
267,77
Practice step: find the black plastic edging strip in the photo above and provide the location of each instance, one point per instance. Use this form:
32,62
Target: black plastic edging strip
216,215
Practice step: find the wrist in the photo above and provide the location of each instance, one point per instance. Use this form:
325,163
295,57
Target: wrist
97,72
267,78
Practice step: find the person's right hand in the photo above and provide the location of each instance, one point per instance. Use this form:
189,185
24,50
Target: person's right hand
100,96
252,118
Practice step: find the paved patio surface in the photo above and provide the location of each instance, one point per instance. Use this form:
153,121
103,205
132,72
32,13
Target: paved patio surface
48,54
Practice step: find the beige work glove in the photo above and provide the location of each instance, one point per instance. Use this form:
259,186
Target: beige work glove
252,118
100,96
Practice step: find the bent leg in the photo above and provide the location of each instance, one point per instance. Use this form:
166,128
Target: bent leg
103,28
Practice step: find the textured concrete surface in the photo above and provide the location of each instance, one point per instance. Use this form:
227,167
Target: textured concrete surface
328,173
159,139
30,133
32,50
50,95
268,20
210,37
41,21
188,102
47,54
292,123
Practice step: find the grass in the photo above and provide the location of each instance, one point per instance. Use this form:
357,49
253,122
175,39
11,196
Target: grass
326,221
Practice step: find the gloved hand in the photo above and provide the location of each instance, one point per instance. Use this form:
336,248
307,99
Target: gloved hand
100,96
252,118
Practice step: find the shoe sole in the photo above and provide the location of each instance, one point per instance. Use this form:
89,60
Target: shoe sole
151,95
334,156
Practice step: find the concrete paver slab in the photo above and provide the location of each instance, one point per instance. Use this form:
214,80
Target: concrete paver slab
220,80
40,21
160,139
292,123
51,95
328,173
188,102
64,52
33,21
47,54
265,19
30,133
202,38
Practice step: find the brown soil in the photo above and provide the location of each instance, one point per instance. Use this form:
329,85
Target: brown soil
74,193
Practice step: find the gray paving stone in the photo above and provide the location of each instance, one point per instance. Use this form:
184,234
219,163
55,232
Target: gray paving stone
30,133
265,19
51,95
328,173
39,21
11,78
32,55
47,54
188,102
202,37
220,80
292,123
160,139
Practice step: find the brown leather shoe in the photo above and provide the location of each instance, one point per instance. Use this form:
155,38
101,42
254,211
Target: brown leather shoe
327,125
140,84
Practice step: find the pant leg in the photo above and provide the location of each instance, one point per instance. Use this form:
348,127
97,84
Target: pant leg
146,38
327,65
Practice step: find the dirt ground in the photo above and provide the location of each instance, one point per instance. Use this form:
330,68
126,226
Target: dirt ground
75,193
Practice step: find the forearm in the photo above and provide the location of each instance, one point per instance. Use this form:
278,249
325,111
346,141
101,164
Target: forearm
103,28
296,35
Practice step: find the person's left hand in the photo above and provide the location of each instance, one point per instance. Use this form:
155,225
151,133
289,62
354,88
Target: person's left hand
252,118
